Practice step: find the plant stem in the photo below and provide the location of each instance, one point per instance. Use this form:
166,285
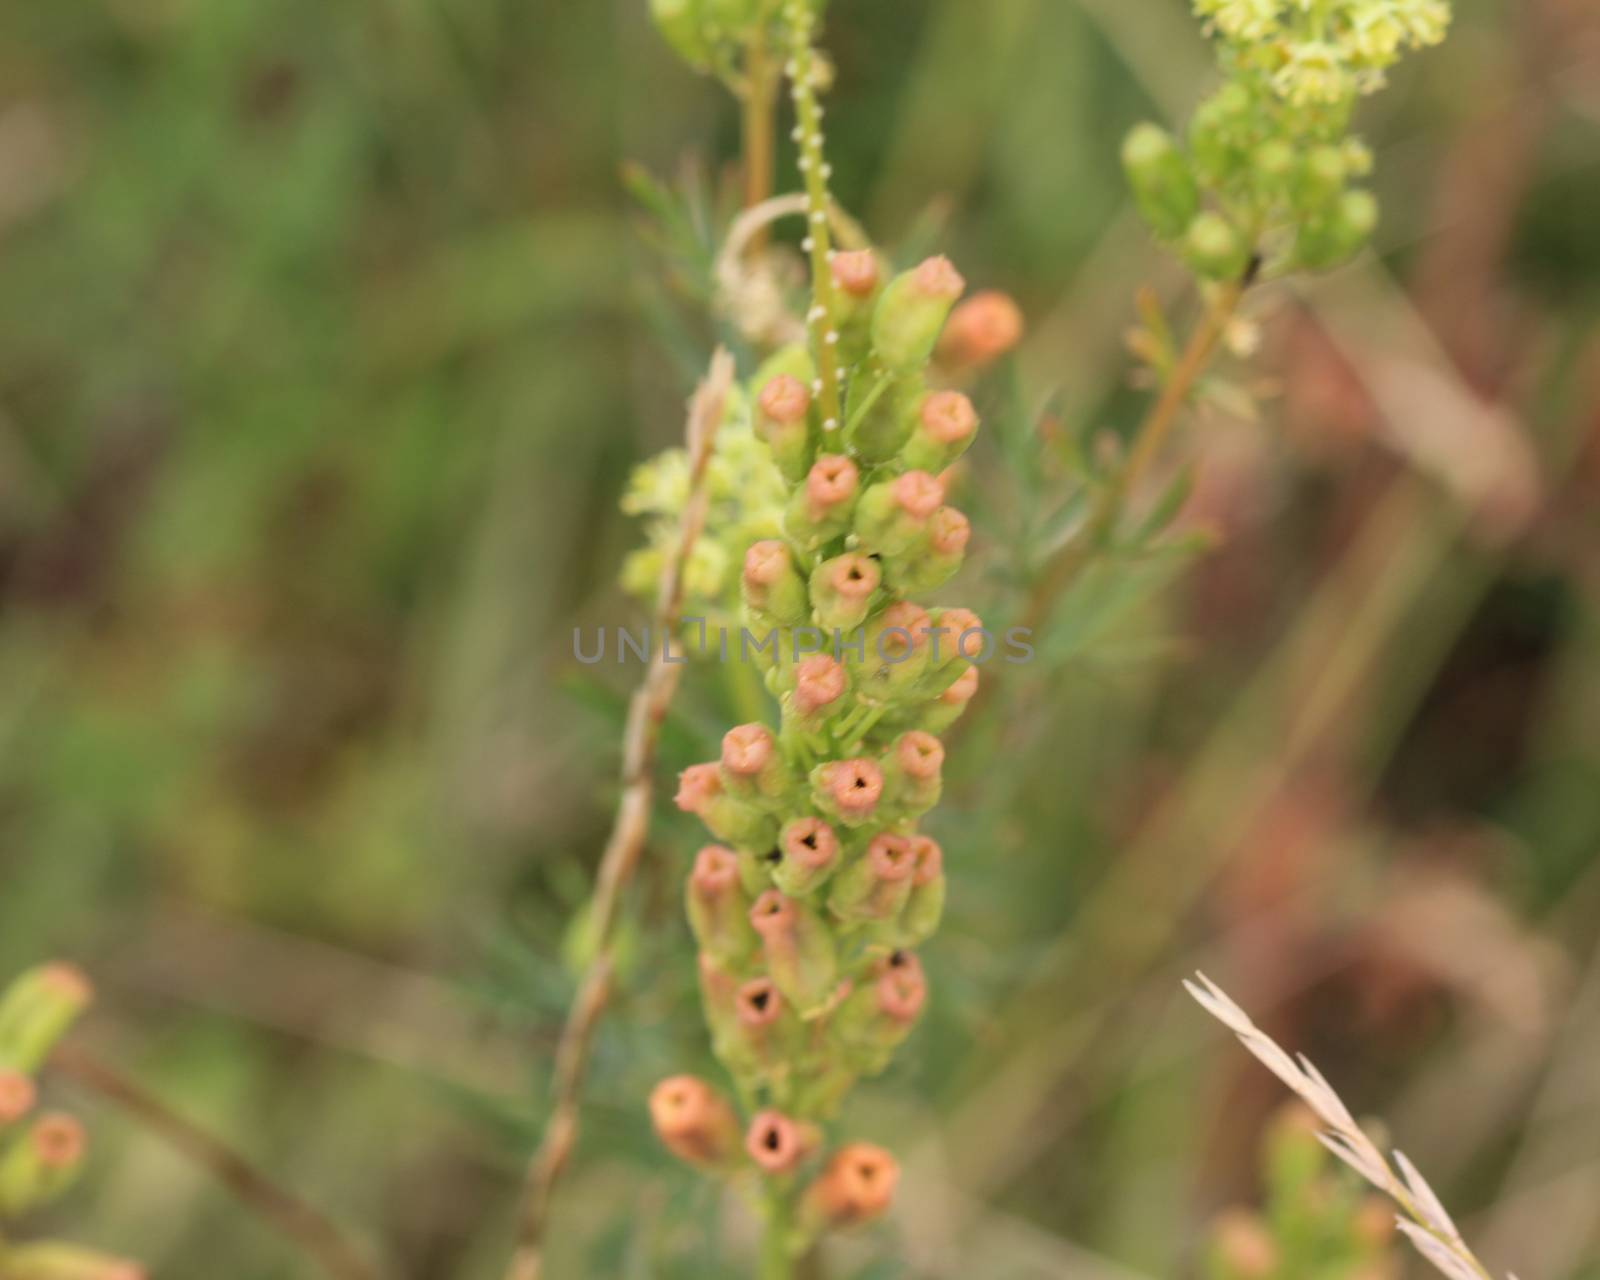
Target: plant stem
646,711
314,1234
777,1262
817,242
759,124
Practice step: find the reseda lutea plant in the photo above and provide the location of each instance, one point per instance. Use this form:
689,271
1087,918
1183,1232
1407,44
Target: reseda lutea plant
808,909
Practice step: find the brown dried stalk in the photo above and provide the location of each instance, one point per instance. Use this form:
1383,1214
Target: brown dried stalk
646,711
306,1227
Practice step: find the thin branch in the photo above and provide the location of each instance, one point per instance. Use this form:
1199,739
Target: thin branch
306,1227
646,711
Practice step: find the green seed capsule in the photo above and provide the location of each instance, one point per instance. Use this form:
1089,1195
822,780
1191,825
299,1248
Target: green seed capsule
1213,248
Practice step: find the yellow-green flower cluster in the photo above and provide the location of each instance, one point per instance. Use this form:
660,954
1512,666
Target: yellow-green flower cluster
1267,176
747,495
1316,1221
1324,51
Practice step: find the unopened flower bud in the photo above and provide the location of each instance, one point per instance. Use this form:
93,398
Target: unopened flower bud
768,1031
1159,177
948,707
17,1096
912,771
875,888
695,1122
778,1145
719,994
1242,1248
842,589
53,1260
809,852
894,651
1373,1222
946,425
819,684
1214,249
41,1164
893,516
856,273
924,907
734,819
783,418
820,509
36,1011
912,311
929,568
957,639
719,911
752,766
848,790
878,1015
857,1186
856,280
799,950
774,592
980,331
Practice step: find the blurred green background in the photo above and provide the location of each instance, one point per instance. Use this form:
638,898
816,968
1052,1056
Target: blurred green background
328,337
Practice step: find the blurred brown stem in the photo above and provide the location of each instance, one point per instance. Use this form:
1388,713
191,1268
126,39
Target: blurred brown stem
759,125
646,711
315,1235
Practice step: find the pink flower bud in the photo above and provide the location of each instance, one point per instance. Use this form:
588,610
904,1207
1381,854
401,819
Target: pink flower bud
856,272
772,586
900,989
699,786
929,859
17,1096
894,651
799,950
951,532
918,493
1242,1247
925,905
842,589
892,517
58,1140
776,1143
945,428
784,400
747,749
55,1260
717,907
981,330
809,855
759,1003
819,682
857,1186
911,311
962,691
875,887
920,755
820,509
912,771
694,1122
848,789
35,1012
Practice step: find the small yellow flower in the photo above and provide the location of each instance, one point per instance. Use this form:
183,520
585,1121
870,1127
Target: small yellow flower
1314,73
1242,19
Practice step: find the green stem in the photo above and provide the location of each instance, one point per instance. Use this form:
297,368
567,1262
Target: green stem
777,1262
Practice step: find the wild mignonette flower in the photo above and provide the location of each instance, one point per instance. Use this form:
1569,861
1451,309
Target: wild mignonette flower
799,950
948,707
842,590
695,1122
809,856
821,508
848,790
892,518
856,279
732,818
948,534
857,1186
40,1164
719,911
783,412
946,425
819,684
894,651
17,1096
774,591
752,766
957,639
856,273
776,1144
924,907
877,1017
1242,1248
875,888
980,330
911,313
912,772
